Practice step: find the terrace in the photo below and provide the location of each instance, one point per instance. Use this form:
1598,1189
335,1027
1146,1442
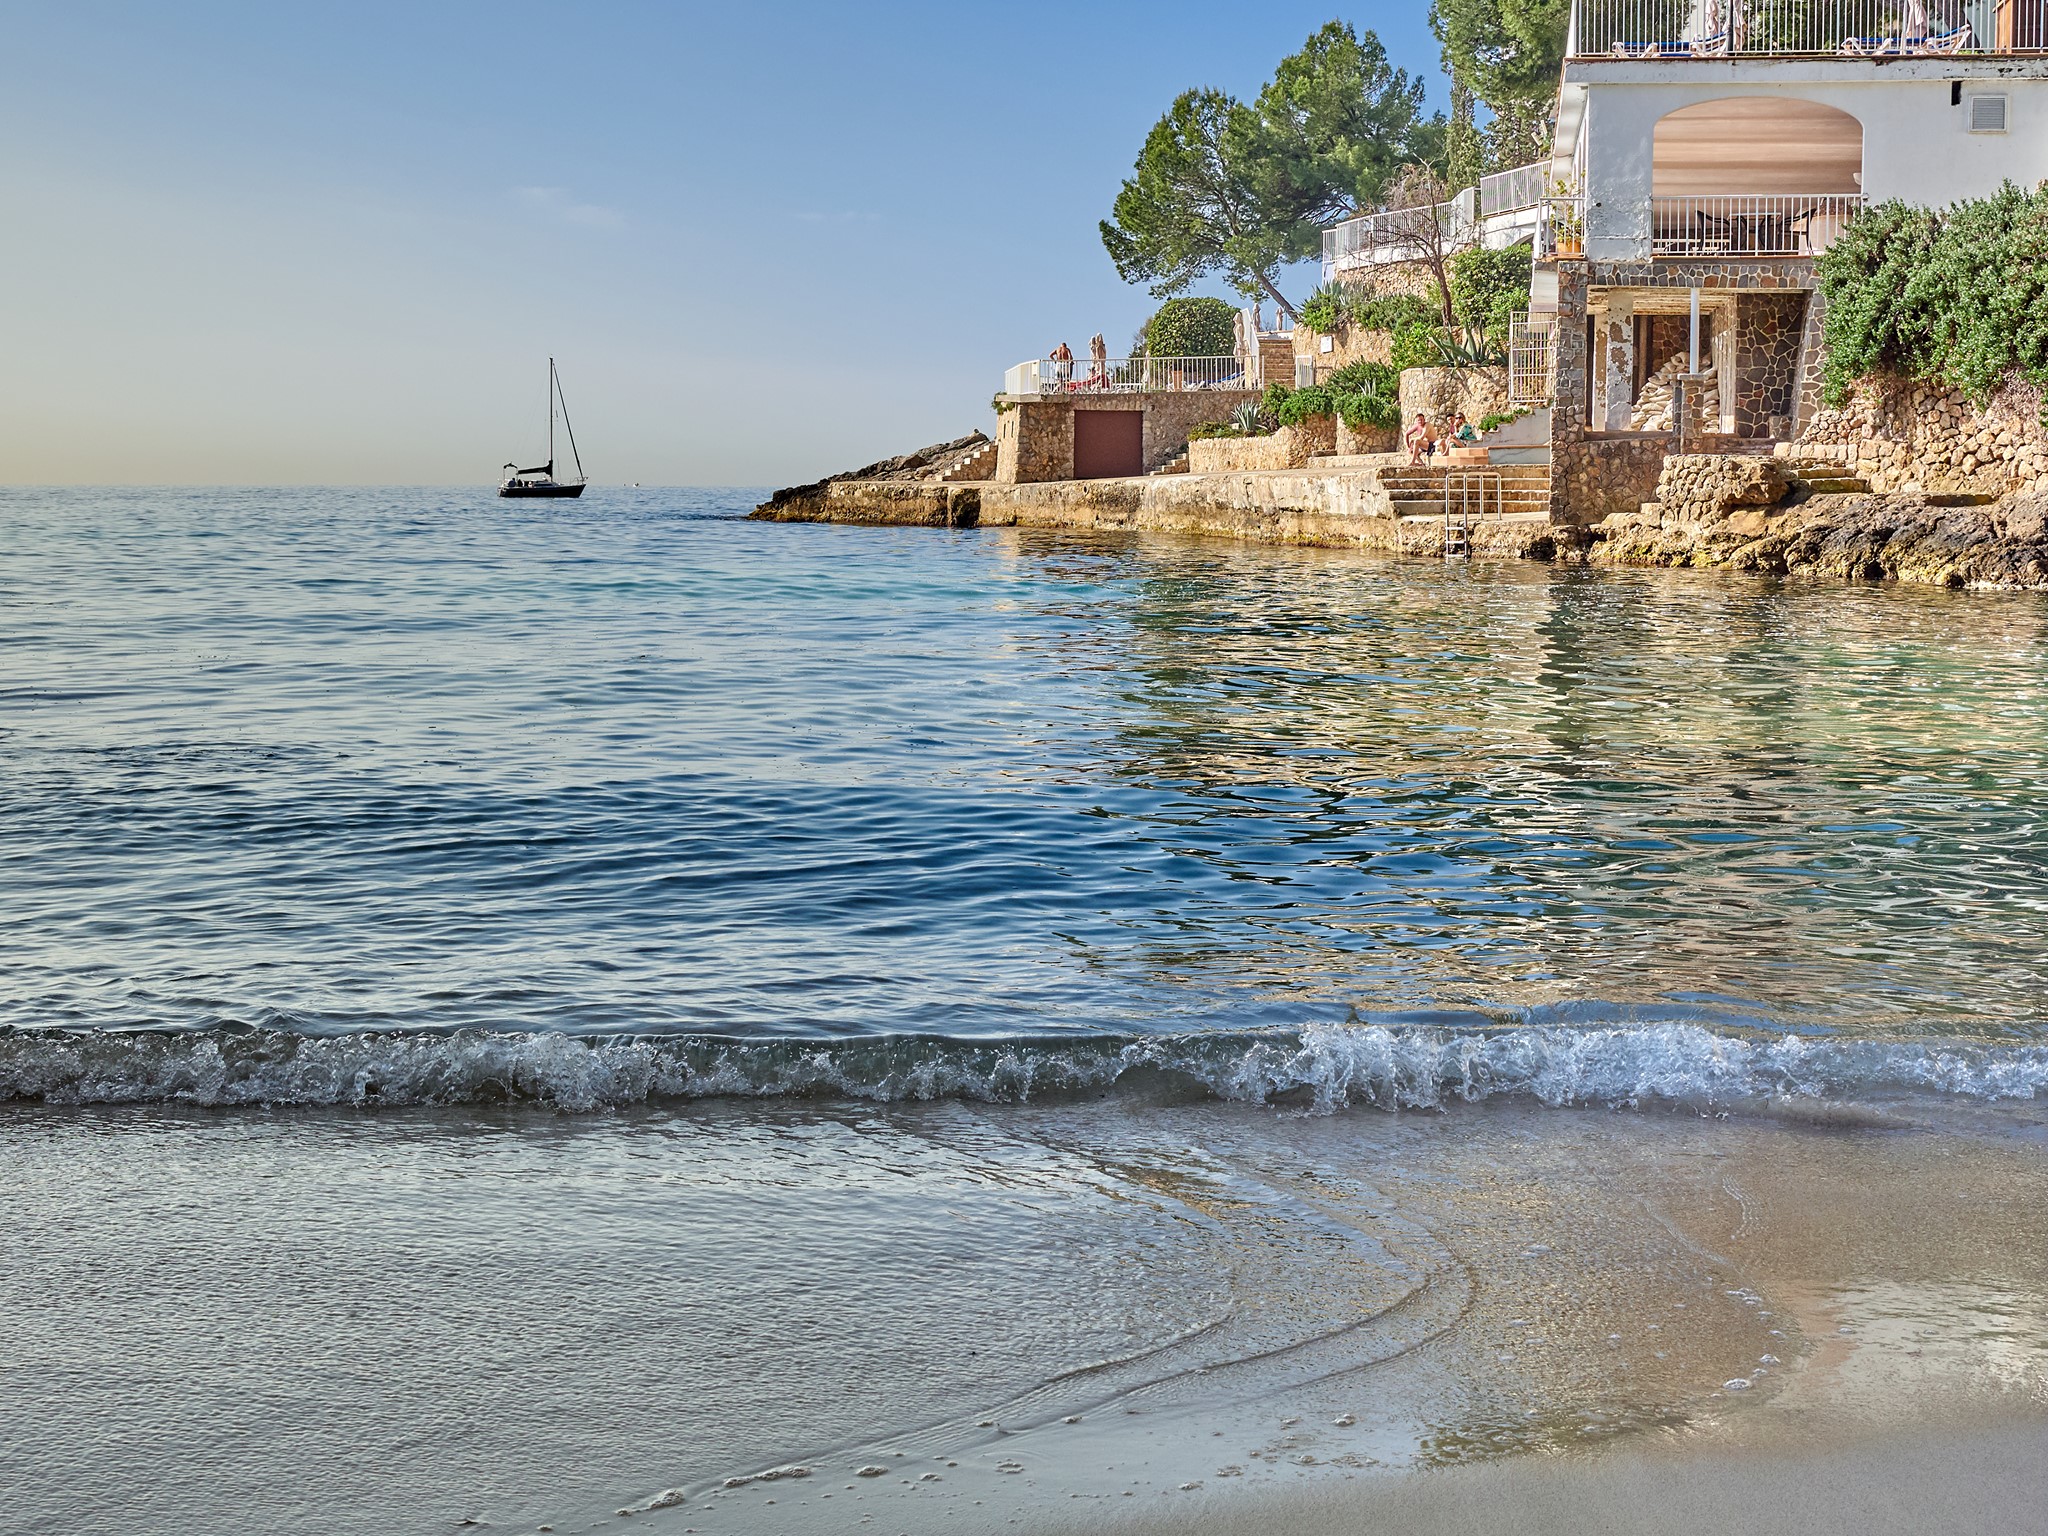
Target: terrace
1681,30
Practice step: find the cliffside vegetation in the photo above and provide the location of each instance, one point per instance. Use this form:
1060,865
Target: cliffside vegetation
1957,296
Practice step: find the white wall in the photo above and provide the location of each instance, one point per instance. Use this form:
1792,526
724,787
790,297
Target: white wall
1916,146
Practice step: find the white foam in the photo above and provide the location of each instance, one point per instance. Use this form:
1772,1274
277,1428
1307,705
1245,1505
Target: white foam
1323,1066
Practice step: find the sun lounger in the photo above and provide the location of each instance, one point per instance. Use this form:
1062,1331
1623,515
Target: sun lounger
1674,48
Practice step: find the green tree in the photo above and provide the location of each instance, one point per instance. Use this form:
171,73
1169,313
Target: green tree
1508,54
1209,196
1489,288
1340,120
1192,328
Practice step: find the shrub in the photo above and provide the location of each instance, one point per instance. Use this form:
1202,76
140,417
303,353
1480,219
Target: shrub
1393,312
1415,345
1202,430
1291,407
1192,328
1494,419
1489,288
1366,394
1958,297
1325,309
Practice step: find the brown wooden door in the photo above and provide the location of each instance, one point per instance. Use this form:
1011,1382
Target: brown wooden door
1108,443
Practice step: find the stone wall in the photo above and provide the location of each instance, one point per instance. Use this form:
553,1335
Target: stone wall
1906,436
1767,334
1478,392
1035,436
1349,345
1224,455
1596,475
1356,440
1706,487
1288,448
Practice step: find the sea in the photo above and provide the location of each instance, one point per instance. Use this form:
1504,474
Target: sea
610,1015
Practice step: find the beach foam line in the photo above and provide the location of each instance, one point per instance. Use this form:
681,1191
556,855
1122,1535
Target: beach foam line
1325,1067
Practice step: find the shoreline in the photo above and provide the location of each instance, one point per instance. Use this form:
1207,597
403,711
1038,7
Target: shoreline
1908,537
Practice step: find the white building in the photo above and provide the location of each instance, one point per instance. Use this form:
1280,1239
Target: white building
1704,153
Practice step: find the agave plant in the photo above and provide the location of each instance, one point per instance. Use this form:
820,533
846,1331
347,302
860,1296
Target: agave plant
1246,418
1469,349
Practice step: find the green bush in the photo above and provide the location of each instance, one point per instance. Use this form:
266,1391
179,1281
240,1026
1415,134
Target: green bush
1958,297
1489,288
1494,419
1415,346
1206,429
1297,405
1366,394
1325,309
1393,312
1192,328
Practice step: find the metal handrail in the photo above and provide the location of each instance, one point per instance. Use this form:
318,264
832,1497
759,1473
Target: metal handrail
1512,191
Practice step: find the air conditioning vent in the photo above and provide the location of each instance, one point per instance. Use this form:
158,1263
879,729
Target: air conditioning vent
1987,114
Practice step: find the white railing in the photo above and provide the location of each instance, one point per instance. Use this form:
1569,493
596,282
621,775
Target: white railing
1561,231
1529,360
1400,234
1708,29
1124,375
1508,191
1773,224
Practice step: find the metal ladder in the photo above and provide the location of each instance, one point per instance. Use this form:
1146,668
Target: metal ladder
1469,500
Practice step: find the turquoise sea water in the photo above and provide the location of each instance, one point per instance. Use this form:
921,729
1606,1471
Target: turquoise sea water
513,1013
346,795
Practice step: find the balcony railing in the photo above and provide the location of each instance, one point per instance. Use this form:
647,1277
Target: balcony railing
1735,226
1124,375
1562,229
1714,29
1511,191
1401,234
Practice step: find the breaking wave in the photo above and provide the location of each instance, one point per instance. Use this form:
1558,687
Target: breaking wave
1325,1067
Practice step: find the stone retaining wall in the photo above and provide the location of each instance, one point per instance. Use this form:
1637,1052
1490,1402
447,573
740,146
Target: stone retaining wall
1478,392
1035,436
1902,435
1707,487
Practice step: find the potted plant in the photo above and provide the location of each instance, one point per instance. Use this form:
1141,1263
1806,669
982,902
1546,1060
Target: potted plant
1567,215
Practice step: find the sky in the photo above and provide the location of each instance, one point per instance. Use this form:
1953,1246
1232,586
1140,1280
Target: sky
289,244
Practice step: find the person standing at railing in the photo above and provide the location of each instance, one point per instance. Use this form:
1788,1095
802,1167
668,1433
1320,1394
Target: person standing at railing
1062,359
1098,361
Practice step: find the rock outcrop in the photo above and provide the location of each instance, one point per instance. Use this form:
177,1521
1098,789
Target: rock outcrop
1952,541
797,503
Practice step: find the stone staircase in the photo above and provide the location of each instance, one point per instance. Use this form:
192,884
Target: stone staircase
1825,477
1177,465
977,463
1523,490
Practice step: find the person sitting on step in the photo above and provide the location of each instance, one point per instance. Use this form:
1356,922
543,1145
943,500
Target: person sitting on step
1420,439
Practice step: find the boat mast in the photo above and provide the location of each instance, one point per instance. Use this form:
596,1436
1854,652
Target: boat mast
551,416
567,424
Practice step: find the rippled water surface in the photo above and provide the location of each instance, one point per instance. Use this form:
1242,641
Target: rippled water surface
285,768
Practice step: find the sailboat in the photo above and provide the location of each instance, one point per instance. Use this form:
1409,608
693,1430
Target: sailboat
540,480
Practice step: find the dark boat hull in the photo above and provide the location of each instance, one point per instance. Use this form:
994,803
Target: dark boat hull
541,490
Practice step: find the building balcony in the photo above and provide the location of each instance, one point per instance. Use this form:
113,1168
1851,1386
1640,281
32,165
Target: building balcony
1681,30
1503,210
1719,226
1125,375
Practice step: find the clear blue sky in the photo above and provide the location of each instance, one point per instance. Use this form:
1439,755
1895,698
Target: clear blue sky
263,243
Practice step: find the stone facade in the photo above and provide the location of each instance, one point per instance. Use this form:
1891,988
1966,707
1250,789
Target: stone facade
1905,436
1357,440
1594,475
1437,392
1768,327
1706,487
1035,434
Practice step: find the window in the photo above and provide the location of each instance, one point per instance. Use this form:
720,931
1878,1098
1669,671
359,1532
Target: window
1987,114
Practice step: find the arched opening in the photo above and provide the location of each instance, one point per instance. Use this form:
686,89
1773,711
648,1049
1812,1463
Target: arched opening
1753,176
1756,145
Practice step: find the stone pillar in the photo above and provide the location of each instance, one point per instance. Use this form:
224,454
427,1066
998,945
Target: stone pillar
1616,364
